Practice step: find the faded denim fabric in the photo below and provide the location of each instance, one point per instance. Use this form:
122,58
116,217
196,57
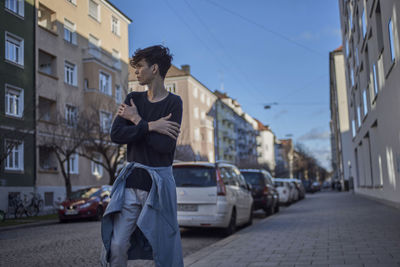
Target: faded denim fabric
157,235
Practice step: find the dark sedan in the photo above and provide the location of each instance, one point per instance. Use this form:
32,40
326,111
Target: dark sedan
263,190
85,203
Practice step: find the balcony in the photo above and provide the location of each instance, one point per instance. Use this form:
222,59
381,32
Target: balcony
96,53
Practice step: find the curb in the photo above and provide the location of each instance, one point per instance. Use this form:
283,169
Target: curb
205,252
28,225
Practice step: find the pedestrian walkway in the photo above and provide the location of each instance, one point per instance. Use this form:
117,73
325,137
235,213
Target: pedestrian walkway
325,229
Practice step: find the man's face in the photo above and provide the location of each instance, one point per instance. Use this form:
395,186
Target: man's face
144,72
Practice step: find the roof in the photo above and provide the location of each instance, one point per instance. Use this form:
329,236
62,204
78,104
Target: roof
111,4
340,48
172,72
191,163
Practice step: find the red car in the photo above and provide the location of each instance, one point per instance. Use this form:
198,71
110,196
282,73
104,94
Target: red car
85,203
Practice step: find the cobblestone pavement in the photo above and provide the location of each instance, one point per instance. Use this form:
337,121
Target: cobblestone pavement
325,229
78,244
75,244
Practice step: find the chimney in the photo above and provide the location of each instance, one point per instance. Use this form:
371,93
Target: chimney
186,68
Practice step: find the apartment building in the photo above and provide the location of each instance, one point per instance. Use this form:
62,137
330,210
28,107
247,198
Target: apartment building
17,76
266,148
370,33
284,155
341,139
196,140
237,132
82,55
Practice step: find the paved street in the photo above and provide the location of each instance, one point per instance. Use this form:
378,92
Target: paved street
325,229
78,244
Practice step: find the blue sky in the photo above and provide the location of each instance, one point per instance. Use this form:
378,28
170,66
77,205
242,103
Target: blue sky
261,51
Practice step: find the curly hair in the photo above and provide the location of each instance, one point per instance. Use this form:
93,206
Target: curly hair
156,54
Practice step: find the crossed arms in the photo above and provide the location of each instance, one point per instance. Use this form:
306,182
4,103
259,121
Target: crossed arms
160,134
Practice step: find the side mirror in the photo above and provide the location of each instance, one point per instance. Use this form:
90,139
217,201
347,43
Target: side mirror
249,187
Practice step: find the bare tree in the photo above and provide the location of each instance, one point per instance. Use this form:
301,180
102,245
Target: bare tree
63,138
97,141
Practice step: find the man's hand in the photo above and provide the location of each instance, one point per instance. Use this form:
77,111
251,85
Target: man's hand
129,112
164,126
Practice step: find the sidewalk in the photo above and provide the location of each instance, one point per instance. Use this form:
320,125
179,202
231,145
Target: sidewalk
325,229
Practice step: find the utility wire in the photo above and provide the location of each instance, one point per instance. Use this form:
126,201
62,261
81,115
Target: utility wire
252,85
198,37
278,34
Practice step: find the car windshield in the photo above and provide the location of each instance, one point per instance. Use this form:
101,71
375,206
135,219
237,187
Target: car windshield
85,193
278,184
253,178
194,176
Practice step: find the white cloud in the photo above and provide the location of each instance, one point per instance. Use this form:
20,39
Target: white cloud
314,135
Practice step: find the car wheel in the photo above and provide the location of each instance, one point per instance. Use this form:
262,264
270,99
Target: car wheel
232,224
250,220
99,213
269,211
277,208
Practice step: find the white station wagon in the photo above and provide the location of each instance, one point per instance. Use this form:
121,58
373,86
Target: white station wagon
212,195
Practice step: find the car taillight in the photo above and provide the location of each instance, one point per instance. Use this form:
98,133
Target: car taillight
266,190
221,190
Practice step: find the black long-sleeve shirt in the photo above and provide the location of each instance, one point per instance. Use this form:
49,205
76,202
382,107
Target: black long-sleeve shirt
148,148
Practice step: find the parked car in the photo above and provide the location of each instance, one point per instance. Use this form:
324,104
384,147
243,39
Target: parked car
212,195
300,188
316,186
85,203
265,195
283,188
309,187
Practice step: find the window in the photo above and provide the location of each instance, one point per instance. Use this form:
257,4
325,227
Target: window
69,32
203,115
72,1
114,25
47,159
94,10
195,92
97,168
14,98
353,126
210,136
208,101
365,102
118,94
16,6
352,77
47,109
47,18
105,83
170,88
105,121
391,40
363,24
47,63
116,58
358,116
14,48
202,98
71,114
356,55
196,112
197,134
70,73
15,155
376,88
94,46
73,164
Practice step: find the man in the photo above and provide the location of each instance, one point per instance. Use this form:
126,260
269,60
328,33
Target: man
141,221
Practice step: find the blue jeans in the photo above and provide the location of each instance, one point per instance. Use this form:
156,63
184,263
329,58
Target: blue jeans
125,224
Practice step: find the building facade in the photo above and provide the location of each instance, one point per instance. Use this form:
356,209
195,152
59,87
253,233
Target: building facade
81,66
266,149
17,112
196,140
370,33
341,139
